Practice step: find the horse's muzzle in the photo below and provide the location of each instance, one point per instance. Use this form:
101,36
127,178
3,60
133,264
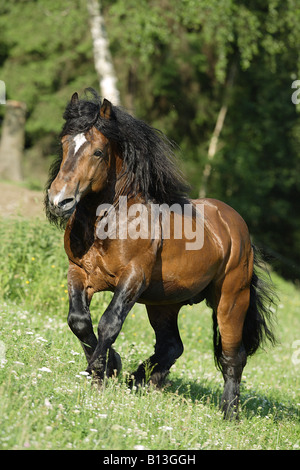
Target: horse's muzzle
61,208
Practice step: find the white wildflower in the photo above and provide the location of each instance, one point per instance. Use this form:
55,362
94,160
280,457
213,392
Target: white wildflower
45,369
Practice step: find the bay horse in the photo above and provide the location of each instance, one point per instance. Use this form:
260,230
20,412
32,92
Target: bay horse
108,154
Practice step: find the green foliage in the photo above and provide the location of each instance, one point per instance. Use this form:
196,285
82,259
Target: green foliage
47,53
184,82
33,266
173,60
46,402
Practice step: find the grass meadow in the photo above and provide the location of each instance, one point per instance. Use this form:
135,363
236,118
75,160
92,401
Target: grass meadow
47,401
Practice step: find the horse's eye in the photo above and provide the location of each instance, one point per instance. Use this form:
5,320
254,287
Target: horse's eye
98,153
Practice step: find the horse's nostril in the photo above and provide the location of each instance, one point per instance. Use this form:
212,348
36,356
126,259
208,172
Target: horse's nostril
66,202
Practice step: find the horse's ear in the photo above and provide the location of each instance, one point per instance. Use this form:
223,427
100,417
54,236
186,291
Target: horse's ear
74,98
106,109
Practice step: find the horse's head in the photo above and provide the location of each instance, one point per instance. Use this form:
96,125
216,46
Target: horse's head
84,167
102,144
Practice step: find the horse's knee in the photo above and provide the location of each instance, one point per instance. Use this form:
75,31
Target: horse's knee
79,323
108,328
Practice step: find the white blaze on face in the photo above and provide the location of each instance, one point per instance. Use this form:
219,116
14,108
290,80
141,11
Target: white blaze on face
79,140
60,196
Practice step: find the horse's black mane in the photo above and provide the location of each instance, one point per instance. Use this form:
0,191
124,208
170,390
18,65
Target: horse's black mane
148,157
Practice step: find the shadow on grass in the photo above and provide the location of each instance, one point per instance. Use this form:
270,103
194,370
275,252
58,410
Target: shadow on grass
252,403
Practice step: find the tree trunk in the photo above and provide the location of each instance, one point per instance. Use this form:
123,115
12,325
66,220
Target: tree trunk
12,141
102,57
213,145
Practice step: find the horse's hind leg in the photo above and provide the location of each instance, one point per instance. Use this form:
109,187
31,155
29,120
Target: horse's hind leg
230,353
168,347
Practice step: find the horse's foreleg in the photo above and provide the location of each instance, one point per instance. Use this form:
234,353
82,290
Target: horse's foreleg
79,318
168,348
127,292
80,322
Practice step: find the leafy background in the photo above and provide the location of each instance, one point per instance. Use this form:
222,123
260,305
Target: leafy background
172,60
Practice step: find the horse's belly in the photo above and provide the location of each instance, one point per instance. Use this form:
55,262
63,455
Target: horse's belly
178,279
182,271
159,293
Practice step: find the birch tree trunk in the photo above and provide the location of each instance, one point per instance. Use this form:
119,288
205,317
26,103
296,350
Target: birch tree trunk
213,145
102,57
12,141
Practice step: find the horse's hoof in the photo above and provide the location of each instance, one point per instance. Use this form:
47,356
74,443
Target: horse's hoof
114,364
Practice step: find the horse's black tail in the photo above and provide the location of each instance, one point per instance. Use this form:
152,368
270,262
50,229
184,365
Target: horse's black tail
258,323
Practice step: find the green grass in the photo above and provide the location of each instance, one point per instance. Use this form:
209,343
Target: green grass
46,403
